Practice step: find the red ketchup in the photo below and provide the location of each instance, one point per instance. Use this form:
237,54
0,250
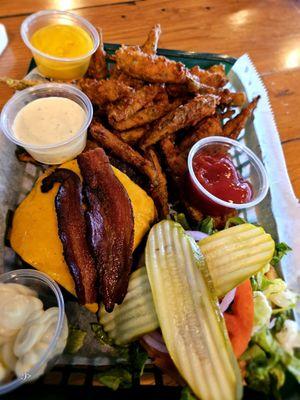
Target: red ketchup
218,175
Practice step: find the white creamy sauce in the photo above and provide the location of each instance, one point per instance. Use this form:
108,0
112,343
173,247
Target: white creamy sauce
26,330
48,121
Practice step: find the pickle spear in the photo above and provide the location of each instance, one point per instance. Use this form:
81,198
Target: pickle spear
232,256
188,313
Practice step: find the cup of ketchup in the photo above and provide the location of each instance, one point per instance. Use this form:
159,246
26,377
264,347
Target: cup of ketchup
224,175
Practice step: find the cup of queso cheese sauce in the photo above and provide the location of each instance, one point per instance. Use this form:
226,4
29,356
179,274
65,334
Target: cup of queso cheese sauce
33,326
49,120
61,43
224,175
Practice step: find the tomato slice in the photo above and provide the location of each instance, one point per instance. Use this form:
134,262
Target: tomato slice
239,322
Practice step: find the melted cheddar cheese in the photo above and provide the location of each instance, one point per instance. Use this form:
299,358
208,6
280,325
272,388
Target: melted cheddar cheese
34,234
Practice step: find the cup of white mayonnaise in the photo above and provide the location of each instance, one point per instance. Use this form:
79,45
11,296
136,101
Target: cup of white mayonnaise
33,326
49,121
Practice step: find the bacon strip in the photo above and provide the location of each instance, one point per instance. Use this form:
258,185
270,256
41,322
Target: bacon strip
110,224
72,232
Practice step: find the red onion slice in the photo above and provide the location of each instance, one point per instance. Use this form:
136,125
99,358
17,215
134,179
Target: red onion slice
155,340
227,300
197,235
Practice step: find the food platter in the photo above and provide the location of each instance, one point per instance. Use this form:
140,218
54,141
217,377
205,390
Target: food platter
269,213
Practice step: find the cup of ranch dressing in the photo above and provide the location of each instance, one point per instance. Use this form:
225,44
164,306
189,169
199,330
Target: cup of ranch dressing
49,120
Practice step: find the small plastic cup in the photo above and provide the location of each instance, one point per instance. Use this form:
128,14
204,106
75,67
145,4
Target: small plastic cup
50,294
58,67
246,163
56,153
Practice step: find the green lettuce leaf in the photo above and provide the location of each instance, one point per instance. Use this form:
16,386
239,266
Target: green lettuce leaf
115,378
266,341
186,394
125,374
181,219
207,225
281,249
104,340
75,339
262,311
234,221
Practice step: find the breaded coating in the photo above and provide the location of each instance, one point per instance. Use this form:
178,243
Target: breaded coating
210,126
184,116
104,91
159,192
233,127
209,78
177,167
151,68
123,151
18,84
218,69
176,163
150,113
238,99
227,114
98,67
150,45
129,105
126,79
132,136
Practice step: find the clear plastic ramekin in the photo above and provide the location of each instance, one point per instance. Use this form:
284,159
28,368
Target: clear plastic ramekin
56,153
246,163
50,294
58,67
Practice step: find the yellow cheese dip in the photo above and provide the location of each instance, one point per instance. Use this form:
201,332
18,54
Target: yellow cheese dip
58,43
64,41
48,120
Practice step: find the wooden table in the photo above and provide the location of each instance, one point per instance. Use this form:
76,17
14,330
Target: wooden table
268,30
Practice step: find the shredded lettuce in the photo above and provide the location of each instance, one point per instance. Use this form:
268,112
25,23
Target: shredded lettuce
104,340
267,363
281,249
262,311
181,219
125,374
269,344
186,394
115,378
234,221
75,340
207,225
289,336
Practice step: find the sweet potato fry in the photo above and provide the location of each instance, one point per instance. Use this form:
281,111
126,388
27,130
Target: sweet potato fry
104,91
176,163
177,167
233,127
129,105
210,126
185,115
152,112
150,45
218,69
150,68
238,99
209,78
126,153
132,136
126,79
98,67
227,114
159,192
